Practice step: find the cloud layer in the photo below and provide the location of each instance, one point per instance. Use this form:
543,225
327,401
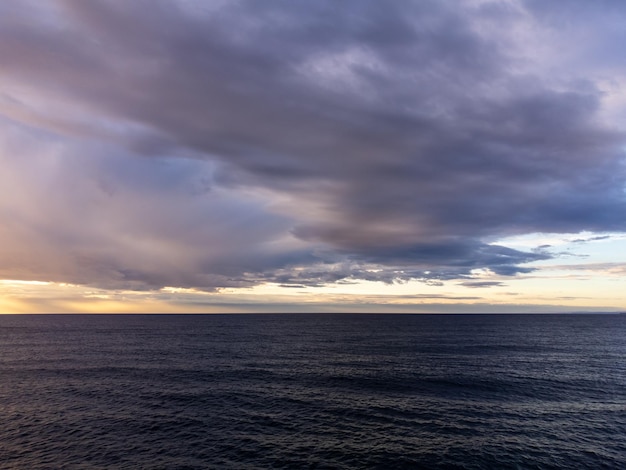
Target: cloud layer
218,144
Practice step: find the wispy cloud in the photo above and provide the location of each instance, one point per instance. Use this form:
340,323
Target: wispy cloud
482,284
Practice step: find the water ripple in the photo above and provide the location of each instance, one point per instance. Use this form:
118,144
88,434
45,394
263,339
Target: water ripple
305,391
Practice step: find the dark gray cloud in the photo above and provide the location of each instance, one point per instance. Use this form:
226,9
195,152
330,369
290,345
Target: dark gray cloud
591,239
482,284
235,143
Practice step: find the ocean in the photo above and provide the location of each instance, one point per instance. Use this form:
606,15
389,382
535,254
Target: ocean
312,391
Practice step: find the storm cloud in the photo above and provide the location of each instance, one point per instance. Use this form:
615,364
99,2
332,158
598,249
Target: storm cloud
227,144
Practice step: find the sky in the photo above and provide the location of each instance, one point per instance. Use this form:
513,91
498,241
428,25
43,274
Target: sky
328,156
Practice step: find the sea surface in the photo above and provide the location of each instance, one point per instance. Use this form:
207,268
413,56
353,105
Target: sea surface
313,391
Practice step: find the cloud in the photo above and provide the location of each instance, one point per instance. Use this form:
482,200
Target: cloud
481,284
116,221
591,239
233,143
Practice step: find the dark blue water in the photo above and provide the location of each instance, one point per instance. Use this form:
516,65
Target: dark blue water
313,391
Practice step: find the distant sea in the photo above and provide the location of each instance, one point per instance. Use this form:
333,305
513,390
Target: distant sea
313,391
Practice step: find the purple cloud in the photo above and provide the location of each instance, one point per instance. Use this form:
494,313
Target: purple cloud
229,144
